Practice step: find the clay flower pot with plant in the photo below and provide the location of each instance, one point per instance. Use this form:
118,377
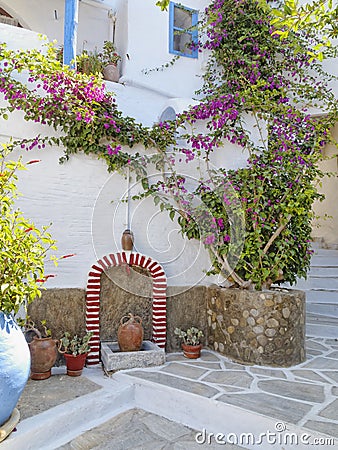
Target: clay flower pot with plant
89,62
42,347
110,59
191,341
23,249
75,350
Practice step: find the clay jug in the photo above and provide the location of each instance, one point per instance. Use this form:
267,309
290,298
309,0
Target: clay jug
43,357
127,240
130,333
111,73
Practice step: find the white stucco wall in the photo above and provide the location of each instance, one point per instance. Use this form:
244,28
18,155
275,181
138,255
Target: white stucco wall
93,28
326,225
83,202
141,36
77,197
148,48
22,38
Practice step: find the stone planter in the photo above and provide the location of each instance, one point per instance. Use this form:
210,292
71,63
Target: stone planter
257,327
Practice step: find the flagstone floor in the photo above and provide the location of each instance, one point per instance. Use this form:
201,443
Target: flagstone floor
218,391
305,395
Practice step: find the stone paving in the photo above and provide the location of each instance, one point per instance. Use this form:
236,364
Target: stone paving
139,430
305,395
43,395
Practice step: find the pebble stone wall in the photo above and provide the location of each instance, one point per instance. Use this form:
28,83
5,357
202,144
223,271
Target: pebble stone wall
264,328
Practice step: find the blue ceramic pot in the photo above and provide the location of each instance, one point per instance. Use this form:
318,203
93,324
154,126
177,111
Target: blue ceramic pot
14,365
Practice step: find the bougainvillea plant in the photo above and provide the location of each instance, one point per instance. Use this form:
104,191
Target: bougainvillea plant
252,73
74,104
256,220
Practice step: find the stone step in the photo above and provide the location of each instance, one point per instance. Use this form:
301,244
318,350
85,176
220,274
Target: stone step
327,283
323,309
321,326
58,425
325,252
321,271
316,330
175,403
322,296
324,260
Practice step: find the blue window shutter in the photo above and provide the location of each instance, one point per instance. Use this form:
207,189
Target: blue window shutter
171,27
70,31
193,33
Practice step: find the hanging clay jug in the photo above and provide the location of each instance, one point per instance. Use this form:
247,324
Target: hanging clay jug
130,333
127,240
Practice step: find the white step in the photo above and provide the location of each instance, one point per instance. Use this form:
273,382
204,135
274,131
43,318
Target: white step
186,407
322,296
321,326
61,424
324,309
323,271
327,283
325,252
325,260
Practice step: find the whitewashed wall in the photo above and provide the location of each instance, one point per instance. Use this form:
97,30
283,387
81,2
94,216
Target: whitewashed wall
83,201
77,197
93,28
83,204
148,48
141,36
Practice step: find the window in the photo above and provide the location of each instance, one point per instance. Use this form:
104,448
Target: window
183,30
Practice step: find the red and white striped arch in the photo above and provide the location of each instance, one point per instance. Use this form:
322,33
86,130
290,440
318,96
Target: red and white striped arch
93,297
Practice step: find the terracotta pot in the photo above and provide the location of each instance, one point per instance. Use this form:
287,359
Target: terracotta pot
75,364
130,334
111,73
192,351
127,240
43,357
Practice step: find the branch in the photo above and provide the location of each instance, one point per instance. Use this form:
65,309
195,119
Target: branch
276,234
225,264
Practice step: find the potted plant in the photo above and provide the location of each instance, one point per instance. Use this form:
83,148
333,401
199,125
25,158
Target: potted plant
89,62
110,59
191,341
43,349
23,251
75,350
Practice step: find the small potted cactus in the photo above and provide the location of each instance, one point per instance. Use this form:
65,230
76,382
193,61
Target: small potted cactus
191,341
75,350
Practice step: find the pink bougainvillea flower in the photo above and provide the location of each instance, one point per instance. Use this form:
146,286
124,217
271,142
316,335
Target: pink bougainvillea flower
210,239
